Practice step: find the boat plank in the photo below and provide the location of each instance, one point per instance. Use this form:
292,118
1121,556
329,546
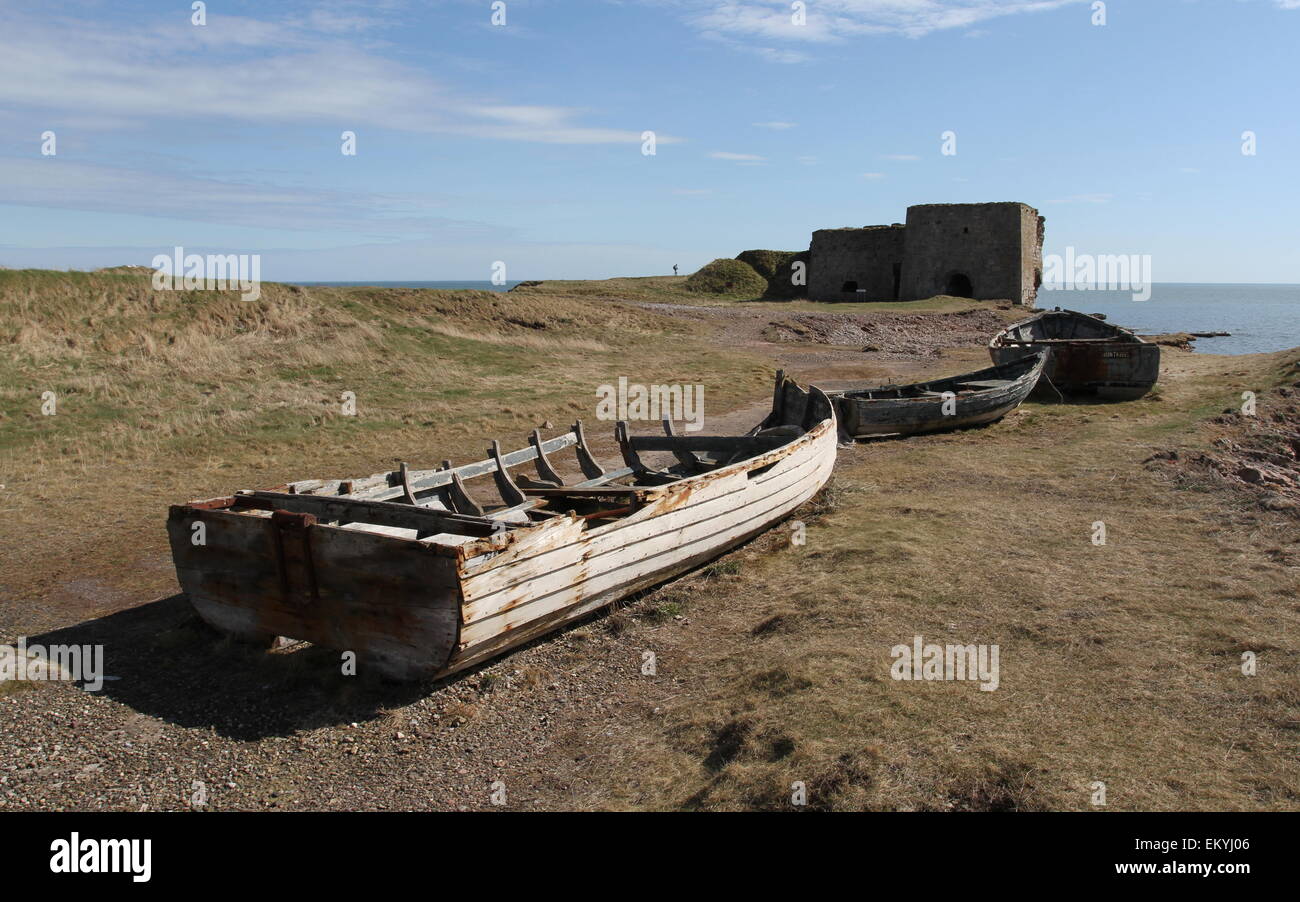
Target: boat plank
549,591
652,533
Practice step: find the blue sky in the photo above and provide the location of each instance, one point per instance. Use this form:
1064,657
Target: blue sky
523,142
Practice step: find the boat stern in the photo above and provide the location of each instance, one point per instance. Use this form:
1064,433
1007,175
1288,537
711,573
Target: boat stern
258,574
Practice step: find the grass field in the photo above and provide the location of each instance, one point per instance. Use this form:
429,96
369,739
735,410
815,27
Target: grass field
161,397
1120,663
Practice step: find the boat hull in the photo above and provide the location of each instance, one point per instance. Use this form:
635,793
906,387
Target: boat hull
863,417
389,600
413,609
1086,356
528,592
1115,371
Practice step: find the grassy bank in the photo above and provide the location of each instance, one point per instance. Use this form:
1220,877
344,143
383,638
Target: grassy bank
166,396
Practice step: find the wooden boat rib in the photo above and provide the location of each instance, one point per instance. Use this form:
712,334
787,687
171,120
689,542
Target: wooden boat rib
956,402
1087,356
410,573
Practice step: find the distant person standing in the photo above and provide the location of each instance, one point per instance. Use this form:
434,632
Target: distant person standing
674,269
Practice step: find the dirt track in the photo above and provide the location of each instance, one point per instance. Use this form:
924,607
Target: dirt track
838,347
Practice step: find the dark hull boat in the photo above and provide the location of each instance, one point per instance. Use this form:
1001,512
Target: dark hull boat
957,402
1089,357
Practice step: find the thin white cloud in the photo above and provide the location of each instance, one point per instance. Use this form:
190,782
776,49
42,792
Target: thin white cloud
832,20
776,126
736,157
258,72
899,156
57,183
349,17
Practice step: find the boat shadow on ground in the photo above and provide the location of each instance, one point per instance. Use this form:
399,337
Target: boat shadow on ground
164,662
903,436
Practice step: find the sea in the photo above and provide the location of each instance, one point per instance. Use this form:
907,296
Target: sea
1259,317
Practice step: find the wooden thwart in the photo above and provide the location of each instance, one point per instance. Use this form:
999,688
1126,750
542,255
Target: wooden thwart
728,444
606,478
604,491
328,508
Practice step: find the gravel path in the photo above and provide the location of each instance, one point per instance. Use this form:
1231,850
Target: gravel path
837,336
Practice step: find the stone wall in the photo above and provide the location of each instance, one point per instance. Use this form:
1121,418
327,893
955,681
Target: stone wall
853,264
1031,230
985,251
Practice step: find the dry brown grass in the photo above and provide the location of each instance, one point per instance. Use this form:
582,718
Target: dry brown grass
167,396
1119,663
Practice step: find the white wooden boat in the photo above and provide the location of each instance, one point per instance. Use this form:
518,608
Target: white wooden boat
409,572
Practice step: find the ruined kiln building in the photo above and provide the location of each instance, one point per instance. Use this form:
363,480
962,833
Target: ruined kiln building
985,251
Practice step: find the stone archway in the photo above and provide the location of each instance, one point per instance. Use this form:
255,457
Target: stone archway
959,286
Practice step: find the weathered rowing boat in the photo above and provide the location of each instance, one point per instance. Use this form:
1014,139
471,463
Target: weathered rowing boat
412,574
1088,356
956,402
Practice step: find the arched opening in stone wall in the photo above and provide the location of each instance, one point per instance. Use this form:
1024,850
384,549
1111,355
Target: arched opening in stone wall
959,286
